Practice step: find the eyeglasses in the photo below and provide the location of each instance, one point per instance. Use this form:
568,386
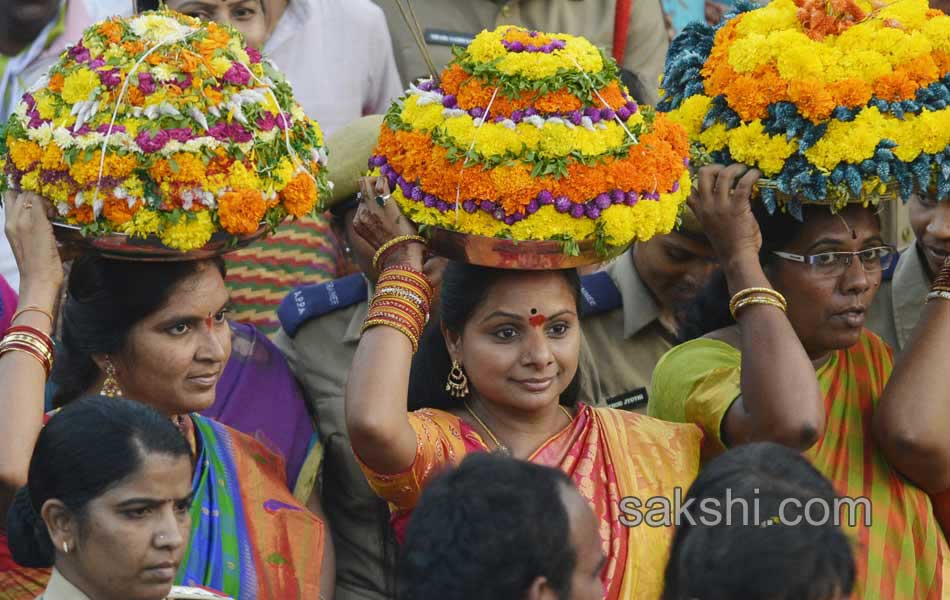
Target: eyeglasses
836,263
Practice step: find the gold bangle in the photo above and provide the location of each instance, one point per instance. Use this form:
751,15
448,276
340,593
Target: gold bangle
32,308
750,301
400,303
405,316
756,291
387,323
393,242
32,341
938,295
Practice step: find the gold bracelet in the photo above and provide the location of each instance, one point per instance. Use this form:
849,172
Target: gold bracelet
393,242
757,291
938,295
388,323
32,308
750,301
29,340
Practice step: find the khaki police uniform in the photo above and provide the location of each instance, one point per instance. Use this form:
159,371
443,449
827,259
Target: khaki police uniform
622,345
900,301
456,22
320,330
320,355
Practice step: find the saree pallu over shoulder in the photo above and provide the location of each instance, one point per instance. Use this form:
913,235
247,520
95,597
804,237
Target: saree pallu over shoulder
608,454
250,537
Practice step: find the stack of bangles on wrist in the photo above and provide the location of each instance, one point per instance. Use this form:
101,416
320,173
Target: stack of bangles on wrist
941,286
396,241
29,340
756,295
402,301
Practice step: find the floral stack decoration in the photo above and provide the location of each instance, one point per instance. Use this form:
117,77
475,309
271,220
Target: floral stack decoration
163,125
835,101
532,136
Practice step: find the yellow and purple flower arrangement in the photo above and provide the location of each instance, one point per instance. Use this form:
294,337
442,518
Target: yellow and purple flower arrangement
835,101
531,136
159,124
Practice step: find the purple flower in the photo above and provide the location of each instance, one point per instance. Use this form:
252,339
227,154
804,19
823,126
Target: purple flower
449,101
562,204
79,53
632,107
385,170
146,83
515,46
180,134
602,201
547,48
29,101
498,118
82,130
379,160
530,112
487,205
545,197
152,144
36,120
406,188
441,206
617,196
517,217
560,44
237,74
267,121
509,220
478,112
632,198
253,55
592,211
533,34
219,132
676,187
392,178
97,63
426,85
607,114
623,113
429,201
531,48
283,121
532,207
416,193
577,211
575,117
110,78
239,134
469,206
185,83
104,129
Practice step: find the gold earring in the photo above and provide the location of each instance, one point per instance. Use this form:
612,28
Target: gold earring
65,547
110,387
457,385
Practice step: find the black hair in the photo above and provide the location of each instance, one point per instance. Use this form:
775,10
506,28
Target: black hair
86,449
710,310
742,560
488,529
464,288
105,299
144,5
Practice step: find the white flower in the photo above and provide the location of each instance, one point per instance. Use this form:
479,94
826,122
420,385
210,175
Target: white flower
168,110
97,207
207,198
449,113
536,120
90,140
80,199
199,117
131,202
120,193
587,124
187,199
42,135
164,72
509,124
556,121
63,138
63,209
160,29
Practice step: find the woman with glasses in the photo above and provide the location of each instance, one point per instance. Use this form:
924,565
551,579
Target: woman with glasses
788,360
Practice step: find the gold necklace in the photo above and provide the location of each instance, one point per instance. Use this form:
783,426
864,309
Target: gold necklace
491,434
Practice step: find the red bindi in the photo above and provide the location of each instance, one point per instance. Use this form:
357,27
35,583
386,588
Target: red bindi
210,322
537,320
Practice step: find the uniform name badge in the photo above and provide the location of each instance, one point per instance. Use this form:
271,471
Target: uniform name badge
632,400
443,37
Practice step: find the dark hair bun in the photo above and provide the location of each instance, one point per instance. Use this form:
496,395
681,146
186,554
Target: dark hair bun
27,536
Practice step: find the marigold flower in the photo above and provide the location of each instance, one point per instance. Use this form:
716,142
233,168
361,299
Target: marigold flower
240,212
300,195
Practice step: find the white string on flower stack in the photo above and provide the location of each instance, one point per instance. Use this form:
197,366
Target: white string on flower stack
482,120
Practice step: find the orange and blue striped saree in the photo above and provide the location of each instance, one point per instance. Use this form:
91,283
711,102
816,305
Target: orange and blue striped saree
609,454
903,554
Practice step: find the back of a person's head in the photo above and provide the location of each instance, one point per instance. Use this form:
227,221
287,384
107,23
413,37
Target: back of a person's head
488,529
736,546
87,448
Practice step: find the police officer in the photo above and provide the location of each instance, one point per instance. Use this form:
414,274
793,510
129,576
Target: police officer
447,23
320,329
631,310
900,301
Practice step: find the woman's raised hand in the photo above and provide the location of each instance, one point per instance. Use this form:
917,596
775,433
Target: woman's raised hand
378,220
724,207
30,233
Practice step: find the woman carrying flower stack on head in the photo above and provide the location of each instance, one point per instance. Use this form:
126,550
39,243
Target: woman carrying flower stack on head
498,370
821,120
200,149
